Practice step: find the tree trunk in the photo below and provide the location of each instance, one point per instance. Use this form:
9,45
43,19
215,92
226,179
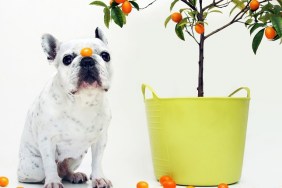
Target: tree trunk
201,67
201,54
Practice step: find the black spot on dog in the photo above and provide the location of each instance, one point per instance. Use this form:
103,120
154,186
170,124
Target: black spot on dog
36,165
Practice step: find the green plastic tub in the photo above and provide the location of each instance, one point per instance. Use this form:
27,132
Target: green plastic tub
198,141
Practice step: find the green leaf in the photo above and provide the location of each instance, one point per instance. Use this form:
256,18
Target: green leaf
239,4
172,4
280,2
114,4
232,10
192,14
107,17
179,32
99,3
205,14
135,5
194,2
167,20
257,40
183,22
265,18
251,25
277,9
277,24
124,18
216,11
116,15
267,8
256,25
183,9
248,22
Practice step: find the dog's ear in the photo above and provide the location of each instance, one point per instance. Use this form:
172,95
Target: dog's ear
50,46
100,35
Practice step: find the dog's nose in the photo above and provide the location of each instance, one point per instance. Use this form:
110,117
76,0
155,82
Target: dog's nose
87,63
86,52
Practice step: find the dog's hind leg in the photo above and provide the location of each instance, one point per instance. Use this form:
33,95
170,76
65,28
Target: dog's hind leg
30,169
66,170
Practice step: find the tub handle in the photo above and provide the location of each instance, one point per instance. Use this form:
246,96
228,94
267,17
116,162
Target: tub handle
239,89
144,87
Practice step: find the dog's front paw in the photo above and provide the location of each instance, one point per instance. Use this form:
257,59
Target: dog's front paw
101,183
77,177
53,185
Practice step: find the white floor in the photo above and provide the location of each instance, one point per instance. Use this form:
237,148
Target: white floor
119,182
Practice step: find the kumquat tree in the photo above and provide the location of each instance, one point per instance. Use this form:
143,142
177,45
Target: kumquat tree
261,17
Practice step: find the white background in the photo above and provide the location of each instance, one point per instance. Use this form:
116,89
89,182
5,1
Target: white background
143,51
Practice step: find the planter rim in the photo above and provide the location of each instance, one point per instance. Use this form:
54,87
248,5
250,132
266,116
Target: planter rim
198,98
145,87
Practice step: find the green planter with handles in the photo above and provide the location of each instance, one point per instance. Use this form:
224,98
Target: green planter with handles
198,141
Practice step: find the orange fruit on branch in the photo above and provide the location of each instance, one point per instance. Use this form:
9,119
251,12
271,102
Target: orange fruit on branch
176,17
199,28
270,32
254,5
126,7
119,1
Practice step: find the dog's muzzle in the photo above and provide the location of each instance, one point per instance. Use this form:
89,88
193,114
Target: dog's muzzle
89,72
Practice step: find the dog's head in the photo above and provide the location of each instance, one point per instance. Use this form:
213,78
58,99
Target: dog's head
83,64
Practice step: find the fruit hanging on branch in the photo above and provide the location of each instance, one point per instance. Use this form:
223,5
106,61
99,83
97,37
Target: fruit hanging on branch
176,17
199,28
270,33
254,5
117,10
126,7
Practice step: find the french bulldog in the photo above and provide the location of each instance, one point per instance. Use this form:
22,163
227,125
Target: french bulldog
69,116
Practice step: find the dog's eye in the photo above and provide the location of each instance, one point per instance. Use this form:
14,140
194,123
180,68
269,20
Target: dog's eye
68,59
106,56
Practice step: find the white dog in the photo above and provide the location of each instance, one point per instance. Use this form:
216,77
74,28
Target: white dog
70,115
